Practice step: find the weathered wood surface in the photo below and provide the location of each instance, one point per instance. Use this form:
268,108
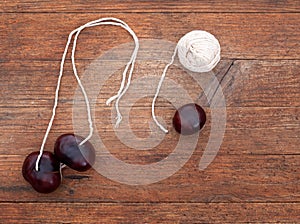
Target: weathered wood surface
241,35
230,178
147,212
150,6
256,174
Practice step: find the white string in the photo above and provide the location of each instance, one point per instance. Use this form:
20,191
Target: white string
123,90
102,21
119,116
198,51
158,89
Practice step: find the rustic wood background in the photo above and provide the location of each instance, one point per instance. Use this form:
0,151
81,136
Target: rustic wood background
256,174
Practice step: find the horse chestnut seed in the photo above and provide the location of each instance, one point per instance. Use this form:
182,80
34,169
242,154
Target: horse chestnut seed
48,177
69,152
189,119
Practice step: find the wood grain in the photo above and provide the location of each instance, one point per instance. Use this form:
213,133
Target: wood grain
255,176
274,114
247,83
230,178
151,6
280,125
260,142
149,212
242,36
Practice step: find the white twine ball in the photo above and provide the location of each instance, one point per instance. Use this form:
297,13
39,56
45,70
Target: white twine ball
199,51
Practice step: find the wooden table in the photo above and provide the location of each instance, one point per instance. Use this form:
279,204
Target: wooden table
255,176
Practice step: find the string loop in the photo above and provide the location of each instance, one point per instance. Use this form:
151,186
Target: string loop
103,21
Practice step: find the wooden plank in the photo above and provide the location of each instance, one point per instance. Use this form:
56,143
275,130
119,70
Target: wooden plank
150,6
230,178
237,118
269,131
242,35
263,141
150,213
248,83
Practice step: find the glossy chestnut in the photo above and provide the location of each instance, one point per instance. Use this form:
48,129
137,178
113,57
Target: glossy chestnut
69,152
189,119
48,177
